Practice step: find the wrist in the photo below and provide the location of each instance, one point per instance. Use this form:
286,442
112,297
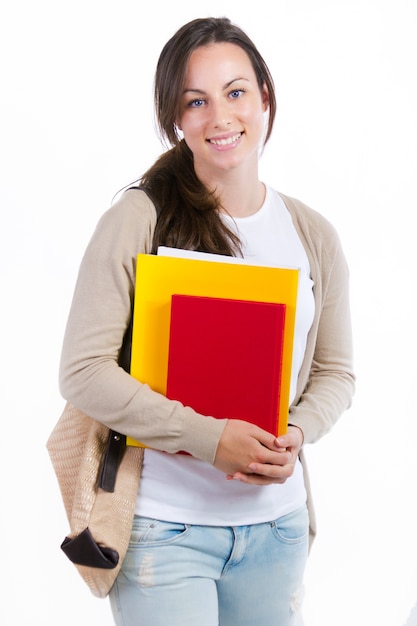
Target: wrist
300,431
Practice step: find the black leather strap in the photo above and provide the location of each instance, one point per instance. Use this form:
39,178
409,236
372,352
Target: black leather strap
115,448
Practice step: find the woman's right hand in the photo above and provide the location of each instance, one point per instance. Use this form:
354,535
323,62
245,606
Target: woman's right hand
243,444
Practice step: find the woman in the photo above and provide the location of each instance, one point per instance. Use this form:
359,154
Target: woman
220,536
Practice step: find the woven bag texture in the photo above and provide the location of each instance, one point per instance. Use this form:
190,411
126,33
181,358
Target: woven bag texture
76,447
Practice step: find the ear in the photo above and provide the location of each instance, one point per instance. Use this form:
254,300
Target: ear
265,97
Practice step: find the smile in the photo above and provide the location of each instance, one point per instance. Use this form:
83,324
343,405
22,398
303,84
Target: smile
226,142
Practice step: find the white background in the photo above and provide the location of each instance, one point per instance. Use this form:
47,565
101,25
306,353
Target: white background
76,126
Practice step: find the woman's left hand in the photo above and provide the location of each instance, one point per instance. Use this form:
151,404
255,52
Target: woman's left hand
266,474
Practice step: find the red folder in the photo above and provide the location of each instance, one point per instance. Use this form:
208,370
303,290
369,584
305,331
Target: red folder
225,358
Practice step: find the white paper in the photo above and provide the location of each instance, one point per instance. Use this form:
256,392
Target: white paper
207,256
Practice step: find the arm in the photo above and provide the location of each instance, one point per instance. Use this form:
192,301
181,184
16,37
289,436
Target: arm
326,380
90,376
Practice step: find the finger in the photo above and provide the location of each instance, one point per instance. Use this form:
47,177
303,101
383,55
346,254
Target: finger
256,479
267,440
269,458
272,471
293,438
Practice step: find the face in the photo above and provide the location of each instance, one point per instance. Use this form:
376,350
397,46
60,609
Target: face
222,109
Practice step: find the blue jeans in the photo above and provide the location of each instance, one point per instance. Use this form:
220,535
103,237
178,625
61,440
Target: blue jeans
186,575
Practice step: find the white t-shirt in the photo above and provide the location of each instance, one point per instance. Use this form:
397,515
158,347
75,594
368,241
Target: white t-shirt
181,488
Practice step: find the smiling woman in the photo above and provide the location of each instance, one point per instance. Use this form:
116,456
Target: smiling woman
222,119
236,510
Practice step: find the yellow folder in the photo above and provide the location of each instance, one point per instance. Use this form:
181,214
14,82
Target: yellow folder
159,277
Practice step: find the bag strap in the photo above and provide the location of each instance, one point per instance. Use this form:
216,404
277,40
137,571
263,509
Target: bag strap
116,444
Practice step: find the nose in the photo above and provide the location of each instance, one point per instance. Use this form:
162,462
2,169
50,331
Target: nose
221,114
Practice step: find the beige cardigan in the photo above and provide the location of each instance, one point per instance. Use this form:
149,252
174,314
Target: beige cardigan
91,379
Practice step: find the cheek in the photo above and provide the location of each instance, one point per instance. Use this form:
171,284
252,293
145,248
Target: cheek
254,118
191,125
252,110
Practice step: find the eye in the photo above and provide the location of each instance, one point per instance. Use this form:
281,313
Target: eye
197,103
236,93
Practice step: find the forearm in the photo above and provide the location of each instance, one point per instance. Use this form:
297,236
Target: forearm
111,396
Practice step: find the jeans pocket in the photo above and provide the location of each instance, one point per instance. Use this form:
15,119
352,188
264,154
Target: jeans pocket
293,527
147,531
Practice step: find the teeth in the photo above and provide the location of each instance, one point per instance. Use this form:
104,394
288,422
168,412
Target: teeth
225,142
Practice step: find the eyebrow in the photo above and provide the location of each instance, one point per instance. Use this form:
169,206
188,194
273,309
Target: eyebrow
226,86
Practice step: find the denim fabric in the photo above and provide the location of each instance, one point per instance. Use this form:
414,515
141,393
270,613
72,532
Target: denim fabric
187,575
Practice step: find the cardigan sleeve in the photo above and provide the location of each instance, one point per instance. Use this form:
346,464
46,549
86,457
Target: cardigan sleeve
326,380
90,375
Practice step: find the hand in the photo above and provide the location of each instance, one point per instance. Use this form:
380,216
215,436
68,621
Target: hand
254,456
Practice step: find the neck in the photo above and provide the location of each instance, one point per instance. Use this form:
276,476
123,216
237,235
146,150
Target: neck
239,195
242,200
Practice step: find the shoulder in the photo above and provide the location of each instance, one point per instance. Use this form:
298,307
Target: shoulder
131,217
133,206
126,228
319,237
310,220
318,234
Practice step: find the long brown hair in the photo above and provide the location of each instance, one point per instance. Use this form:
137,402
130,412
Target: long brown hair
188,211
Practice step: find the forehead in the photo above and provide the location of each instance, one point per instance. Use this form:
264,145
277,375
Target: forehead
225,60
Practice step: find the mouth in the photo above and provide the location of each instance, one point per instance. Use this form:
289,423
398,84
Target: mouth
226,141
